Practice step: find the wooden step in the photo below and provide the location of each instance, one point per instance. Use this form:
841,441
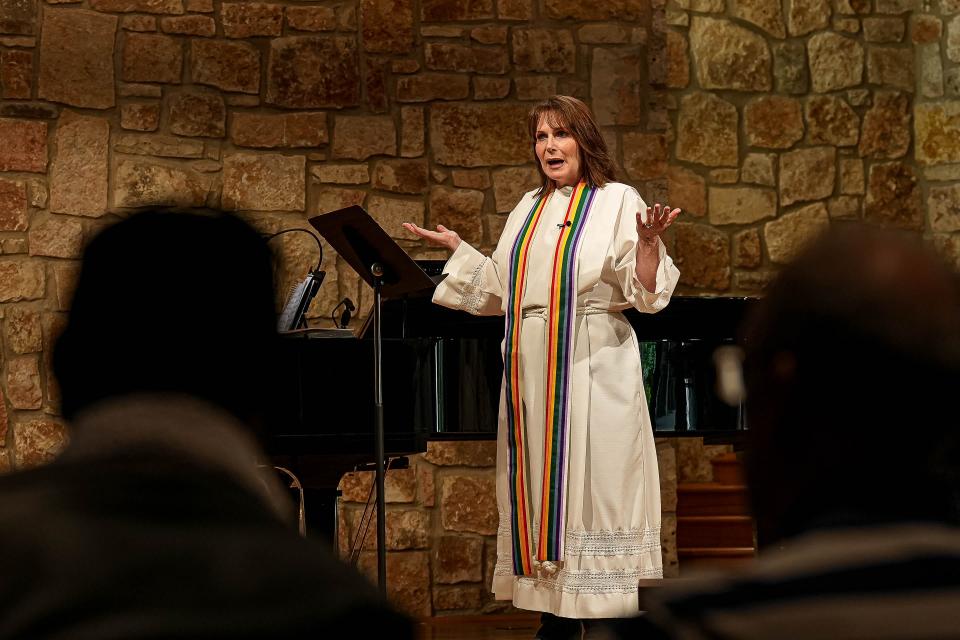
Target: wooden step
699,559
714,531
712,499
727,469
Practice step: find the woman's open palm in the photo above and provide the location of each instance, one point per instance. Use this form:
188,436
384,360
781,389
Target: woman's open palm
442,237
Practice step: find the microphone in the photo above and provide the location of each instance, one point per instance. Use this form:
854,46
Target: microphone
565,224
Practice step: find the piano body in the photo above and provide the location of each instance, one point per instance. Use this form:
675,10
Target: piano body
442,374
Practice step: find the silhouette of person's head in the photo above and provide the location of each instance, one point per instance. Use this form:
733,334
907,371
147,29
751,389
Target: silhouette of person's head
173,302
852,375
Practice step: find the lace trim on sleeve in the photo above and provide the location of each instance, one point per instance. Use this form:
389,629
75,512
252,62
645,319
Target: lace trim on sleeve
472,293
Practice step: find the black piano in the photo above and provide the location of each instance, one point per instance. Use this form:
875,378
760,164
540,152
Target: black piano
442,375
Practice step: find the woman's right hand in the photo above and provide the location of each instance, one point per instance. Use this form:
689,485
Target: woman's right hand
442,237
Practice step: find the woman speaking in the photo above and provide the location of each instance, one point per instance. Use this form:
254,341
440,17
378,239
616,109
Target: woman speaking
577,480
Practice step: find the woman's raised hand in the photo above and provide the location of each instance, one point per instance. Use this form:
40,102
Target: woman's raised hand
442,237
656,221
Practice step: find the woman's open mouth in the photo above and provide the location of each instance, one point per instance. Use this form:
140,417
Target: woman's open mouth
555,163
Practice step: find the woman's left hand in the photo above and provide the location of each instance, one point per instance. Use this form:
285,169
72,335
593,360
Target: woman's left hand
655,222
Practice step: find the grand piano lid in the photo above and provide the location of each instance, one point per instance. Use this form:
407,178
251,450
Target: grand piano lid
359,240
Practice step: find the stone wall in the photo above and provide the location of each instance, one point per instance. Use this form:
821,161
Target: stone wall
442,525
767,121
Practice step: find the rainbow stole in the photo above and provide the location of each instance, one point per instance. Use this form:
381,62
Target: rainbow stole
561,315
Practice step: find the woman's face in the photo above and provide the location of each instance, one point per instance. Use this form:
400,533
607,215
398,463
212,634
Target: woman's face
558,153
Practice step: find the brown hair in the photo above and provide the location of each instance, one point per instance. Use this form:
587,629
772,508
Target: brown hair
569,113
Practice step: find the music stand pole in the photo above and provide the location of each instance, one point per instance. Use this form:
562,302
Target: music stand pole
376,269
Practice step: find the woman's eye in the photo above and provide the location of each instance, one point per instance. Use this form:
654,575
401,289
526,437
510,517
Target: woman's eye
541,137
561,134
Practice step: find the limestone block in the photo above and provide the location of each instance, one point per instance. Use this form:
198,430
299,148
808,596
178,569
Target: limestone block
448,453
515,9
844,207
248,19
952,44
686,190
331,199
830,120
790,68
925,29
65,277
460,210
140,183
458,559
197,114
425,87
510,185
56,237
787,236
897,6
645,155
886,126
138,23
707,131
893,197
391,213
203,26
754,281
387,25
37,442
426,493
774,122
615,85
399,486
405,65
471,178
836,62
727,56
943,173
138,90
24,145
759,168
159,145
668,546
23,334
805,16
444,56
603,33
851,176
140,116
457,598
724,176
766,14
333,83
741,205
263,182
227,65
23,382
38,193
678,61
883,30
937,131
535,87
18,17
476,135
311,18
455,10
702,254
746,249
360,137
891,66
342,173
412,129
667,465
76,58
294,130
174,7
21,281
16,74
485,88
490,34
544,50
79,172
13,205
402,176
948,245
628,10
408,582
930,82
807,174
943,205
468,503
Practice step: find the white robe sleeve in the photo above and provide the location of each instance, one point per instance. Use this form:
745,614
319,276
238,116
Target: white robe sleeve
624,250
473,283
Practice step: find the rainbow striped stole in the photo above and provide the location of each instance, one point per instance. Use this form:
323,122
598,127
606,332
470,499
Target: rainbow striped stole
561,314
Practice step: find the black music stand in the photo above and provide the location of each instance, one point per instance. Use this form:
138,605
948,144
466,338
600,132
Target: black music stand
391,272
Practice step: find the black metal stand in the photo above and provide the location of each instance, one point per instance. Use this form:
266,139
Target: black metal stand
376,270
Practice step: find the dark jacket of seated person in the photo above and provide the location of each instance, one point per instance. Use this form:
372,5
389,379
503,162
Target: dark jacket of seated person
852,374
155,522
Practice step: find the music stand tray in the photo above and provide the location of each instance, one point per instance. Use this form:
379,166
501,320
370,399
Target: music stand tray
386,267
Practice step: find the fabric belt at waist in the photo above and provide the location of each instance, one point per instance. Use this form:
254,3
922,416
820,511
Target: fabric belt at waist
541,312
